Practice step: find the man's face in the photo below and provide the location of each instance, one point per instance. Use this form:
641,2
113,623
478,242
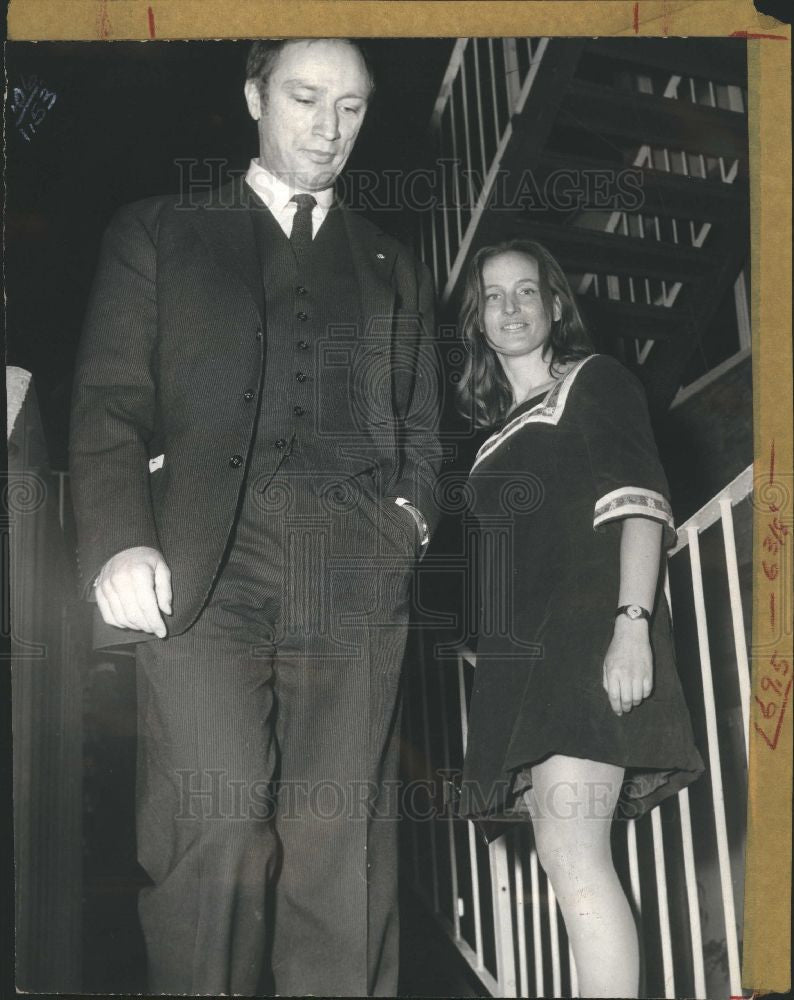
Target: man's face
315,104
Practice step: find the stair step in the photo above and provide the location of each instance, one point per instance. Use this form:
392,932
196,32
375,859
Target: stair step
723,62
644,119
583,250
608,318
662,193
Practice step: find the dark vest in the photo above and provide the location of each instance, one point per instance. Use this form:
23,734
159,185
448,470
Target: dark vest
307,418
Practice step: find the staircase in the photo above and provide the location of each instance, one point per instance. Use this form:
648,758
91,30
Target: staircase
629,160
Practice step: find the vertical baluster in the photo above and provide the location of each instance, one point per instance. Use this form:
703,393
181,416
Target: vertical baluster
554,935
512,76
690,874
467,135
439,280
444,201
742,312
661,897
475,896
496,127
737,616
455,166
480,122
693,903
502,918
537,941
715,767
521,923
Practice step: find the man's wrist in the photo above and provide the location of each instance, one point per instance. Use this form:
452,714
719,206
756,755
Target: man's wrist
421,524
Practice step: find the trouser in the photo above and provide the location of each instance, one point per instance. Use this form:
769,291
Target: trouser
268,758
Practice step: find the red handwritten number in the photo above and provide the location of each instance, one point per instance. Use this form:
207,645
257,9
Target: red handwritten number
768,709
770,571
151,22
770,682
779,664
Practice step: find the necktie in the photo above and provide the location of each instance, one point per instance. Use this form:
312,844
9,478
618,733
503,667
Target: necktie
301,234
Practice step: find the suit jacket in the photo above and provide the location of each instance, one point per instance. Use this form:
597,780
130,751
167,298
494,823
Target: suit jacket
170,346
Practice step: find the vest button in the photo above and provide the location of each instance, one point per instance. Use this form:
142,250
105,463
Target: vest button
248,394
303,345
236,461
300,377
259,333
298,411
281,443
302,316
300,290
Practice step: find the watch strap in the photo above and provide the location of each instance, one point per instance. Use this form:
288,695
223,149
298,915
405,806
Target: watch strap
633,611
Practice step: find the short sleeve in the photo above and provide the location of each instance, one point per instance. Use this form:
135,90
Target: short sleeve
611,410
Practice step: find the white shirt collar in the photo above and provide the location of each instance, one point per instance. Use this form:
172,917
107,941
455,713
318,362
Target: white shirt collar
277,195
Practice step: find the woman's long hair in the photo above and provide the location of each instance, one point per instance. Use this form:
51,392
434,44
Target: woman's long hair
484,393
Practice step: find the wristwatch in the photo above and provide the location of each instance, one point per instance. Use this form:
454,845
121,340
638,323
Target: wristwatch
633,611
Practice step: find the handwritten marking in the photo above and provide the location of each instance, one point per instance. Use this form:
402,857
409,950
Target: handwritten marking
756,34
150,13
773,678
30,104
636,18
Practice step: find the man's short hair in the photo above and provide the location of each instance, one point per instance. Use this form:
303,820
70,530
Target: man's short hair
263,54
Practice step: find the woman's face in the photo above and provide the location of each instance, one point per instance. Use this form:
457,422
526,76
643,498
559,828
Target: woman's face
515,320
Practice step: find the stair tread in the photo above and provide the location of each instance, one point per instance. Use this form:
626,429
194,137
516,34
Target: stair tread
695,57
665,193
656,121
583,249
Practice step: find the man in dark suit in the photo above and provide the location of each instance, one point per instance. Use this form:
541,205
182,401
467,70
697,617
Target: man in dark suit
253,453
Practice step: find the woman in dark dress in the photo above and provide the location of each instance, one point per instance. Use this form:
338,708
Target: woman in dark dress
577,713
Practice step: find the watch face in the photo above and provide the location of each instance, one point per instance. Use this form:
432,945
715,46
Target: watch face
634,611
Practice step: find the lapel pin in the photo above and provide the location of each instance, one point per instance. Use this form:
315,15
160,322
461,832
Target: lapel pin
381,256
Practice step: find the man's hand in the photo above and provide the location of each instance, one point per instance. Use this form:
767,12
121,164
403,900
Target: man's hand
628,665
132,588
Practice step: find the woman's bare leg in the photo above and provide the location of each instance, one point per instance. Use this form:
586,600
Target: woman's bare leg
572,801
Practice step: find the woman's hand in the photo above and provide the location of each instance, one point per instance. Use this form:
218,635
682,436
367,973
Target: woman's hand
628,665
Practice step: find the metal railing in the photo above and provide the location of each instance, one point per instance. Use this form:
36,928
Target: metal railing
495,902
487,82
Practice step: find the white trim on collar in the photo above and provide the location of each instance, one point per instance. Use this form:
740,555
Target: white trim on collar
548,411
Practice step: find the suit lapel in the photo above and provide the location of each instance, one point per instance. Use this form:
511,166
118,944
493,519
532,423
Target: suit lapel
226,225
374,254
